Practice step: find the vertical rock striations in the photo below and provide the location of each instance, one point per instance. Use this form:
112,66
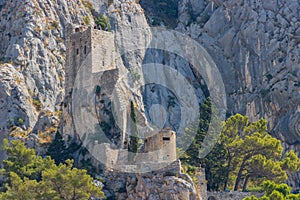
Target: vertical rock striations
32,34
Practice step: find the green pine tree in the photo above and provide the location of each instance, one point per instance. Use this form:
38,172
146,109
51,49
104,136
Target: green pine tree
133,139
31,177
58,150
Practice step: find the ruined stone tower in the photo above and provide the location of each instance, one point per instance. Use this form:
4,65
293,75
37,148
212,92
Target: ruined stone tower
87,43
161,147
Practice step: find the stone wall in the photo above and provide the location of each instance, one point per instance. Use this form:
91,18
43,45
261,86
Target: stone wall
230,195
89,46
161,147
103,50
117,160
201,185
89,54
78,46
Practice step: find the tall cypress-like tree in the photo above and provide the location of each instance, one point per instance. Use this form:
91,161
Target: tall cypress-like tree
58,150
133,138
191,156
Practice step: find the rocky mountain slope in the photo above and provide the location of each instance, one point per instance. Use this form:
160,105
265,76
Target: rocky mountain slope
32,34
255,44
256,47
32,75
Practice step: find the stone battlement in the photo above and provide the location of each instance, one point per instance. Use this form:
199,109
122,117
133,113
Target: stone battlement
146,167
159,155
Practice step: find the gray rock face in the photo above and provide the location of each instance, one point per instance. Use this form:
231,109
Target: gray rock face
158,187
100,5
46,120
152,186
32,42
32,34
15,103
255,45
15,99
132,36
133,39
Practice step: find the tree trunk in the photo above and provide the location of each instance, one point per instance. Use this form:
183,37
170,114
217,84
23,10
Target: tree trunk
246,183
238,178
227,173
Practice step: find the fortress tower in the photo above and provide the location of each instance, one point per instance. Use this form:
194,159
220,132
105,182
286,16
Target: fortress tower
87,43
161,147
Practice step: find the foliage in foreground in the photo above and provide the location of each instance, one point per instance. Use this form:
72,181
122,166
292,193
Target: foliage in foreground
31,177
245,154
273,191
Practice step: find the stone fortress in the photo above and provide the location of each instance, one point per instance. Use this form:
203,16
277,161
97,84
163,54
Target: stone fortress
83,41
95,49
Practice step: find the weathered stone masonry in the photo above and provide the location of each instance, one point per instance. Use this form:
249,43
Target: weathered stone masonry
95,49
83,41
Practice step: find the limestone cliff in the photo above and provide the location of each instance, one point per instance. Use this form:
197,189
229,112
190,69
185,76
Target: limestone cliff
255,45
33,55
32,34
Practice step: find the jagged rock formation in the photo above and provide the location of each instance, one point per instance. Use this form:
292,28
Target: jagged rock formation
32,35
15,102
159,187
170,184
255,45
